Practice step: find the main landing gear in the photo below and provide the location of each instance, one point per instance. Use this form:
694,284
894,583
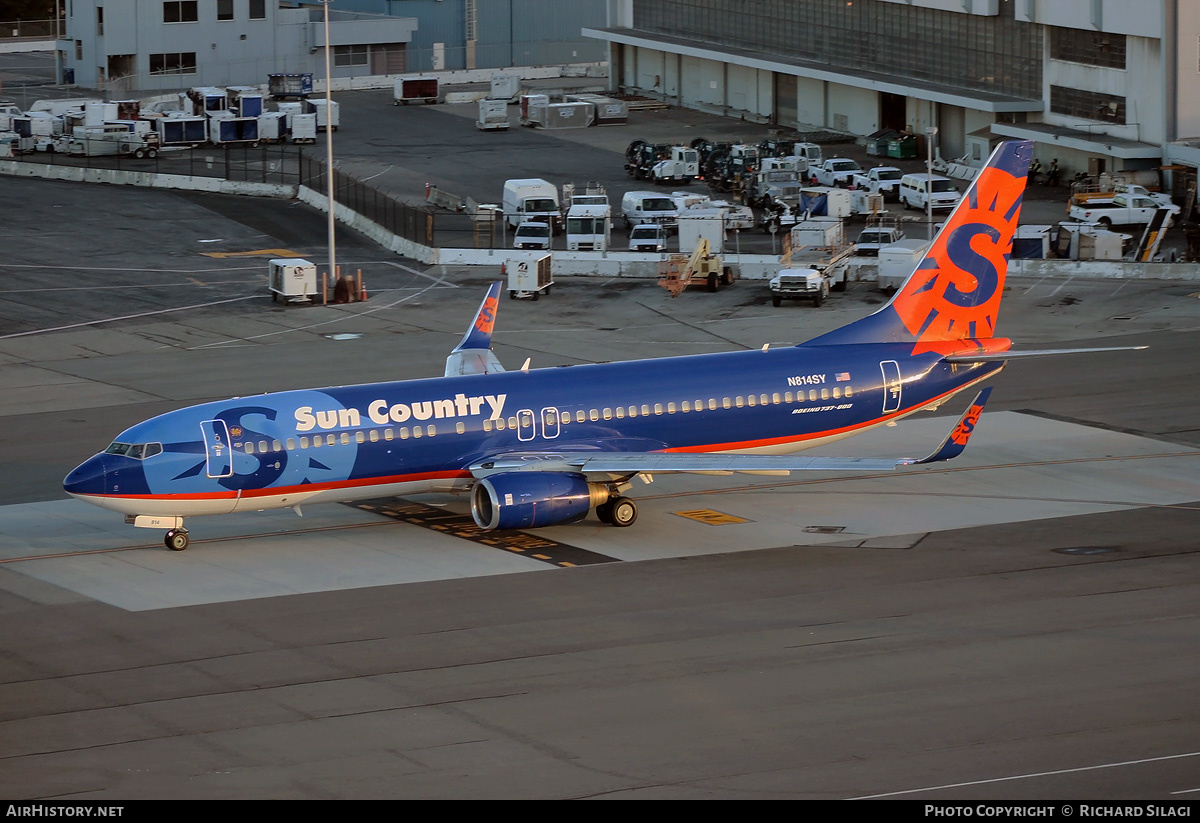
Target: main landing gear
177,539
618,511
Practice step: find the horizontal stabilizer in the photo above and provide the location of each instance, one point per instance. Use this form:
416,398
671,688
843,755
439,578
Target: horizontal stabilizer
984,357
956,441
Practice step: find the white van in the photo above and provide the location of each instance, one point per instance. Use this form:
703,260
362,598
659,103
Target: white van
916,190
649,207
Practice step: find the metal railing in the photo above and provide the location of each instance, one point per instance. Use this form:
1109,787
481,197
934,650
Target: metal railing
10,29
415,224
274,163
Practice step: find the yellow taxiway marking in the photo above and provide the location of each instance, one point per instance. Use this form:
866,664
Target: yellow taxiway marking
711,517
255,253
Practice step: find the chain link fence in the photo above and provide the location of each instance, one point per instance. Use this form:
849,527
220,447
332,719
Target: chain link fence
274,163
415,224
10,29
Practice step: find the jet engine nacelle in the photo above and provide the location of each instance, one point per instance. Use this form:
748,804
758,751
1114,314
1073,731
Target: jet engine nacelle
524,500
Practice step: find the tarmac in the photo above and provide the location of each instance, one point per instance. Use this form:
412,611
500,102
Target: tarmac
1019,623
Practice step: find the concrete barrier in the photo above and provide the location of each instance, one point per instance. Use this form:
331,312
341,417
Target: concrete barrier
120,177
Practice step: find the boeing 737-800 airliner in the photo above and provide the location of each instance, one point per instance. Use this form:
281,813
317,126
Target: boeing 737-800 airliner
546,446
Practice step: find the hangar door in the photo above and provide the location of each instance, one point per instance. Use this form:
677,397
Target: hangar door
786,94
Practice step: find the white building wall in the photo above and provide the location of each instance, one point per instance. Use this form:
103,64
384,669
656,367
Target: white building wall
852,109
1140,83
742,95
810,101
1142,18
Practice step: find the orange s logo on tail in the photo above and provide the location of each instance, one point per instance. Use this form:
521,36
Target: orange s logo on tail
955,292
487,315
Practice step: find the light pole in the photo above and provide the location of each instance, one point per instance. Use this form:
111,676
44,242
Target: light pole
329,145
930,133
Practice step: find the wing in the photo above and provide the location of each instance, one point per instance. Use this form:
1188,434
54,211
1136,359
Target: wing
609,466
473,355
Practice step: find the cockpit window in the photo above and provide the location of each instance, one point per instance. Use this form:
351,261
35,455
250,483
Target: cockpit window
138,451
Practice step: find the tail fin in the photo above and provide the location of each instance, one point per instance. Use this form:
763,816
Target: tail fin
954,294
473,355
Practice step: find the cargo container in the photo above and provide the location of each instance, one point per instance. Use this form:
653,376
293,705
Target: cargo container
528,275
245,101
291,278
898,261
493,115
608,111
204,100
414,89
505,86
557,115
283,86
330,119
302,128
188,130
229,130
272,127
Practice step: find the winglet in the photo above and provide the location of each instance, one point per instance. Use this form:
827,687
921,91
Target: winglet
474,354
956,442
479,335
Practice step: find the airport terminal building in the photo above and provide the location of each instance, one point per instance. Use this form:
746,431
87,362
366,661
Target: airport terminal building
1102,85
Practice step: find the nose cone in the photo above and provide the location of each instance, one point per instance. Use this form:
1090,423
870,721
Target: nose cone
86,478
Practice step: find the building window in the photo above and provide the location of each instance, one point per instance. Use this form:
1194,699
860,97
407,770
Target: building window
258,9
1091,48
180,11
181,63
349,55
78,49
224,9
1089,105
100,21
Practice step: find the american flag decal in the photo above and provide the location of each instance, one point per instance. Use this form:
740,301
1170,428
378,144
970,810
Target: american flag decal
842,376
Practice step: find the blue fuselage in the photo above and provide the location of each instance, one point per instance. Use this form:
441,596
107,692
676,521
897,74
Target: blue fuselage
353,442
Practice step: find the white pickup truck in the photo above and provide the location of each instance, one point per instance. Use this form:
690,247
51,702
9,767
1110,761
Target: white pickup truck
836,171
1123,210
1096,198
883,180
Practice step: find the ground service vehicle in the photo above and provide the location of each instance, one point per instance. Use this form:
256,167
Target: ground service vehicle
873,238
836,171
1123,210
532,234
700,268
883,180
649,207
648,237
531,198
799,284
918,191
